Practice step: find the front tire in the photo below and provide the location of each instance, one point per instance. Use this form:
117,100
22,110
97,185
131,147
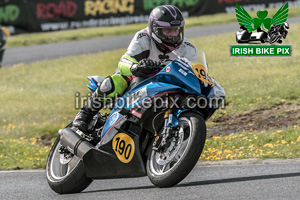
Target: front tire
65,178
167,172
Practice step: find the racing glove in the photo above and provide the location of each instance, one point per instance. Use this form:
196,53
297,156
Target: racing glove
145,67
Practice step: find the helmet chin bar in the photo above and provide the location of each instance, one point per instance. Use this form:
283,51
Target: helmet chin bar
159,44
163,47
155,38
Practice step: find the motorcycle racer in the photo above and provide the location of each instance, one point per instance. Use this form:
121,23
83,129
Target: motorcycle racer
163,38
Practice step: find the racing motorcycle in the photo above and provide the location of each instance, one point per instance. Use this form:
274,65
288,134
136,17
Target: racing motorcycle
155,129
277,32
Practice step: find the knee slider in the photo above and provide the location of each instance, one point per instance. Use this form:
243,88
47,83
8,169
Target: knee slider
106,87
112,85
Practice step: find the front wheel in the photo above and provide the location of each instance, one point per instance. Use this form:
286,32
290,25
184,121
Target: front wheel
170,166
65,171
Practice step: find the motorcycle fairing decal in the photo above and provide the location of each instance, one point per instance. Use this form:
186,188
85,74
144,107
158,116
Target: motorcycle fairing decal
168,69
201,72
184,65
136,113
183,72
124,147
113,118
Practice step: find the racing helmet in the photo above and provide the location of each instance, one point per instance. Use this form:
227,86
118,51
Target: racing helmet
166,16
286,25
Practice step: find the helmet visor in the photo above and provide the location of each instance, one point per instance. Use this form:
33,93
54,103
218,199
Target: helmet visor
170,35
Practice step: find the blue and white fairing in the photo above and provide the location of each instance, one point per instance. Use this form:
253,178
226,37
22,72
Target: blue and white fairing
177,76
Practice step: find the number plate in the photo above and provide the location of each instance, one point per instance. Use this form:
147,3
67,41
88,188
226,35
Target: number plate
201,72
124,147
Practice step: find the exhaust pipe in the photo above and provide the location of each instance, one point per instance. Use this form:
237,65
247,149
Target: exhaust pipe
74,143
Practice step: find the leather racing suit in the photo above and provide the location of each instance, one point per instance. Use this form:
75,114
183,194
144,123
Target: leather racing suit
142,46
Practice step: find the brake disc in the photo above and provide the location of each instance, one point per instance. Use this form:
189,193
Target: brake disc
165,157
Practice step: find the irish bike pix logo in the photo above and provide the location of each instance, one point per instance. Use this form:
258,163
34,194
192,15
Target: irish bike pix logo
261,36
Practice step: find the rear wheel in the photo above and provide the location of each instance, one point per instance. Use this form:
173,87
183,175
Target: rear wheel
65,171
169,167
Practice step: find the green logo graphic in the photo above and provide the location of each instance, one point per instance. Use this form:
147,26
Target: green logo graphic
250,24
268,29
150,4
9,13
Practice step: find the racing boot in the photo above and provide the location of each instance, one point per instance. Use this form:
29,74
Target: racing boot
87,112
109,87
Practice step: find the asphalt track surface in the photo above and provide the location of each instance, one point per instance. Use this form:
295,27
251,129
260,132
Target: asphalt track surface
255,181
36,53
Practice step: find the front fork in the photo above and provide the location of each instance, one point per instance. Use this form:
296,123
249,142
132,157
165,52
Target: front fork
170,128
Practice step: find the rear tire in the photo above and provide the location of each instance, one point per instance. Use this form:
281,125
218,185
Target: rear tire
65,178
185,159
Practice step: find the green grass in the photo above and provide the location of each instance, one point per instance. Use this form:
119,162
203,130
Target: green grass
262,145
38,99
88,33
29,153
42,94
23,153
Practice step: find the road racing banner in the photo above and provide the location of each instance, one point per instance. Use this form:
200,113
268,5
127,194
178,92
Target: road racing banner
24,16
